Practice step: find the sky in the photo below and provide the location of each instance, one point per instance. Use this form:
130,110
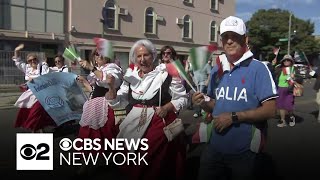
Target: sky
303,9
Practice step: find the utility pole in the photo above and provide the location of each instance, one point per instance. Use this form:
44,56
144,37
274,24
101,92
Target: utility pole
289,33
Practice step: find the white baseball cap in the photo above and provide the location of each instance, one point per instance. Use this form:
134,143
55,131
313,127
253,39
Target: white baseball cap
233,24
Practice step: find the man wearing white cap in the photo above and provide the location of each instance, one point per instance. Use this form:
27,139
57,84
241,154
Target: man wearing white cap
242,97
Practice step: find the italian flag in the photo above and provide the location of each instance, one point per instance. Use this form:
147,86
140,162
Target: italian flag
288,71
104,47
276,51
199,56
203,133
183,74
71,54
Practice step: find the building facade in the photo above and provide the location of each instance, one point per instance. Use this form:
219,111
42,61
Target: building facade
182,24
47,25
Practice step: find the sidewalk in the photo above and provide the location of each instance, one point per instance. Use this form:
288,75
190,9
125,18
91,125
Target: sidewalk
8,96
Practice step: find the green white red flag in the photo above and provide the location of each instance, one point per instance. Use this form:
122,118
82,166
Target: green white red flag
104,47
71,54
183,74
199,56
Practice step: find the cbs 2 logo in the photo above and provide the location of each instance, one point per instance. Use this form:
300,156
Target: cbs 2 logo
28,151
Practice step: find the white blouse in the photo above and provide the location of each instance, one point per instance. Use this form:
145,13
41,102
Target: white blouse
62,69
110,68
28,70
147,87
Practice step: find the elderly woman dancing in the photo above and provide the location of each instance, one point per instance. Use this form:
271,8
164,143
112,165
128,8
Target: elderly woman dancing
31,115
143,89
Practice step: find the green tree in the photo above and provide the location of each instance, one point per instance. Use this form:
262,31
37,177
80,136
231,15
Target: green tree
266,27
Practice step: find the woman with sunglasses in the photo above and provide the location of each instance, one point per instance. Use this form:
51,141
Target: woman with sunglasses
31,115
285,76
167,53
98,120
59,64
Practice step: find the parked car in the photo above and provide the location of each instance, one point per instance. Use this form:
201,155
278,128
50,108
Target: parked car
302,70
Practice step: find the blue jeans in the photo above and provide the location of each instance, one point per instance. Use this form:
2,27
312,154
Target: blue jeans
219,166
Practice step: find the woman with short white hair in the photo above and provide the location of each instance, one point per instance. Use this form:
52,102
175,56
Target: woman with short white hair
152,98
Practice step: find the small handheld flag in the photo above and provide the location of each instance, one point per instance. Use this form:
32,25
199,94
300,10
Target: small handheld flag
172,71
199,56
183,74
71,54
104,47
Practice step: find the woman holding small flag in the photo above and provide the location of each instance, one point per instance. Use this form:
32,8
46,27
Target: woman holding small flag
153,98
31,115
285,75
98,119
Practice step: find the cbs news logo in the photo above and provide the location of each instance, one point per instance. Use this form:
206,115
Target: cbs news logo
34,151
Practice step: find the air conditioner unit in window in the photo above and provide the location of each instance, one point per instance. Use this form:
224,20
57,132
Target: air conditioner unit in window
188,1
123,11
179,21
160,18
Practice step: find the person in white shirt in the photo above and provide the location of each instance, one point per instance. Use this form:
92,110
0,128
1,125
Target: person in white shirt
60,65
31,114
152,98
98,119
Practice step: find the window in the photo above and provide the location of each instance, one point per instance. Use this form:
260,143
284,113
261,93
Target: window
213,31
52,24
36,4
214,5
35,20
150,21
17,23
29,15
110,15
187,27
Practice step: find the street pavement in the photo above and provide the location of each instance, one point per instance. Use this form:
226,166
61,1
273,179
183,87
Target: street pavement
291,152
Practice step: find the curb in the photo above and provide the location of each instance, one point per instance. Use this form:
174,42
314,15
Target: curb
8,107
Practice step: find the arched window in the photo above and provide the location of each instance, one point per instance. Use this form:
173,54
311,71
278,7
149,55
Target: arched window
214,5
187,27
213,31
110,15
149,21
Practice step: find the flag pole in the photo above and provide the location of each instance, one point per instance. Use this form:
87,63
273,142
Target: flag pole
277,53
307,60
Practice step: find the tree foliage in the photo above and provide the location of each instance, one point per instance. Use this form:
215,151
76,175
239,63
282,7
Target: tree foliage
266,27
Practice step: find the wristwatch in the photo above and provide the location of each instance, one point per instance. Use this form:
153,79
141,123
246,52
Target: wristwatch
94,69
234,117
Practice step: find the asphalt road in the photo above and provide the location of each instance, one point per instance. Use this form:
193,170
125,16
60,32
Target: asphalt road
291,152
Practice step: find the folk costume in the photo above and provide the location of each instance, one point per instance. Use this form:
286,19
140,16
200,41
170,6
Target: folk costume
64,68
97,119
31,114
141,97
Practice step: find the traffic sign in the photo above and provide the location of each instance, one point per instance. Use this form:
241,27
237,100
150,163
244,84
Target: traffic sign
283,39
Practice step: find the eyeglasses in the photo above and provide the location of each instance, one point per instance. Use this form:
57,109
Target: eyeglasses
169,53
29,60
